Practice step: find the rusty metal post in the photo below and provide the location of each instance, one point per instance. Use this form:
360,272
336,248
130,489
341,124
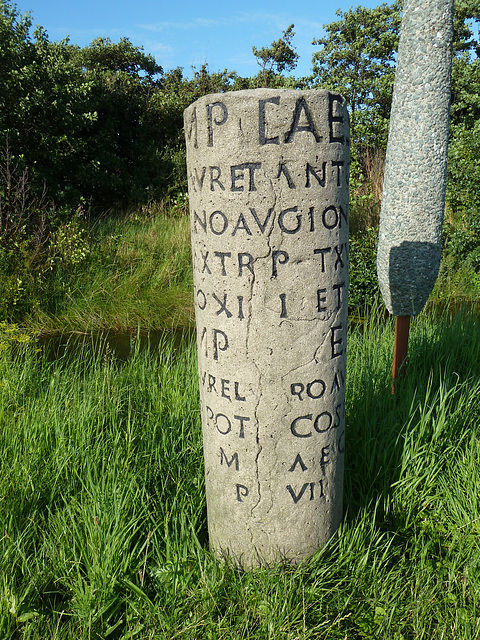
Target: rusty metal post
400,349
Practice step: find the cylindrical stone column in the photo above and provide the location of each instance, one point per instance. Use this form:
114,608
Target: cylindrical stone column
413,198
268,189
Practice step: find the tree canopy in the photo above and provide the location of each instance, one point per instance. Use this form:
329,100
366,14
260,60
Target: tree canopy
104,124
280,56
357,58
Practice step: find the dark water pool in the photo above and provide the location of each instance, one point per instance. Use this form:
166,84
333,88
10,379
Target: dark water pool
119,346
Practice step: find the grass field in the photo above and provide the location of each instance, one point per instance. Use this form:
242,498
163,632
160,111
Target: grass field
137,272
102,509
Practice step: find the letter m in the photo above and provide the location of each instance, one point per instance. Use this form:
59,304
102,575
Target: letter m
234,458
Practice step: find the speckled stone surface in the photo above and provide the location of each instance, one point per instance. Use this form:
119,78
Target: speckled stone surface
413,200
268,191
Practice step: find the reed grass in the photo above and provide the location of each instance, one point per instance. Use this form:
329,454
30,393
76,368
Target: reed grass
102,508
138,273
457,286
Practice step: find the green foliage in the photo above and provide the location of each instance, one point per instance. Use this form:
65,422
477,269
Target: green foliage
23,238
124,273
366,183
169,100
101,128
363,291
457,286
45,109
104,124
59,267
69,246
280,56
464,39
462,242
120,159
462,231
104,56
37,243
463,192
86,122
12,336
357,59
102,502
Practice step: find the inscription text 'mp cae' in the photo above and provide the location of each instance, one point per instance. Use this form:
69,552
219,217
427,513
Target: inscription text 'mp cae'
271,129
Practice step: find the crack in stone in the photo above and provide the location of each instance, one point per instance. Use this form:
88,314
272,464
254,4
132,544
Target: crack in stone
257,426
301,366
259,450
260,381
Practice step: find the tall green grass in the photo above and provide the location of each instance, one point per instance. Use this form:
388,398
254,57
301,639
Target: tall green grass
457,285
138,273
102,509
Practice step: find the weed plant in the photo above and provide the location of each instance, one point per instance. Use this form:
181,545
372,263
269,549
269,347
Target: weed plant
102,508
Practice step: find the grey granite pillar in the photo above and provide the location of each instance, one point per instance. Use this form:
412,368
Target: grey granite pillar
413,199
268,189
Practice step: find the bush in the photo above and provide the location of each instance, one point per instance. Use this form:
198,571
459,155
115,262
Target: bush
12,336
462,241
39,243
363,290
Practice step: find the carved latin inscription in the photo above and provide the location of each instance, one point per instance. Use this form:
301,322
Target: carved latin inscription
268,187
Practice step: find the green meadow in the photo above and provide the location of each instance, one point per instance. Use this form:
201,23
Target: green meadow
103,528
135,271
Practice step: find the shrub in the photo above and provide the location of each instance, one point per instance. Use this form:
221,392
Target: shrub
12,336
363,290
38,243
462,241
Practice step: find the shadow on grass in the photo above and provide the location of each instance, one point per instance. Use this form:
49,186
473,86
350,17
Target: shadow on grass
432,410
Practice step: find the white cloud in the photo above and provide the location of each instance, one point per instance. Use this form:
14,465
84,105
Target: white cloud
158,48
270,19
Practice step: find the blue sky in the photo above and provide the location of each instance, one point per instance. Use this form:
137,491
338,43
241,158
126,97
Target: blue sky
185,33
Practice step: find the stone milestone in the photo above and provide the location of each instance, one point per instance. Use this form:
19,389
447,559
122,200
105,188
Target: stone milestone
415,170
268,189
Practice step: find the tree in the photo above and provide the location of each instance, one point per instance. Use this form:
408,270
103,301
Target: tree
280,56
172,96
463,186
120,162
84,122
463,37
357,58
124,57
45,109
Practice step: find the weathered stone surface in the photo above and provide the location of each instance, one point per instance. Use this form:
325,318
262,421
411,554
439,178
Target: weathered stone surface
268,190
415,171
